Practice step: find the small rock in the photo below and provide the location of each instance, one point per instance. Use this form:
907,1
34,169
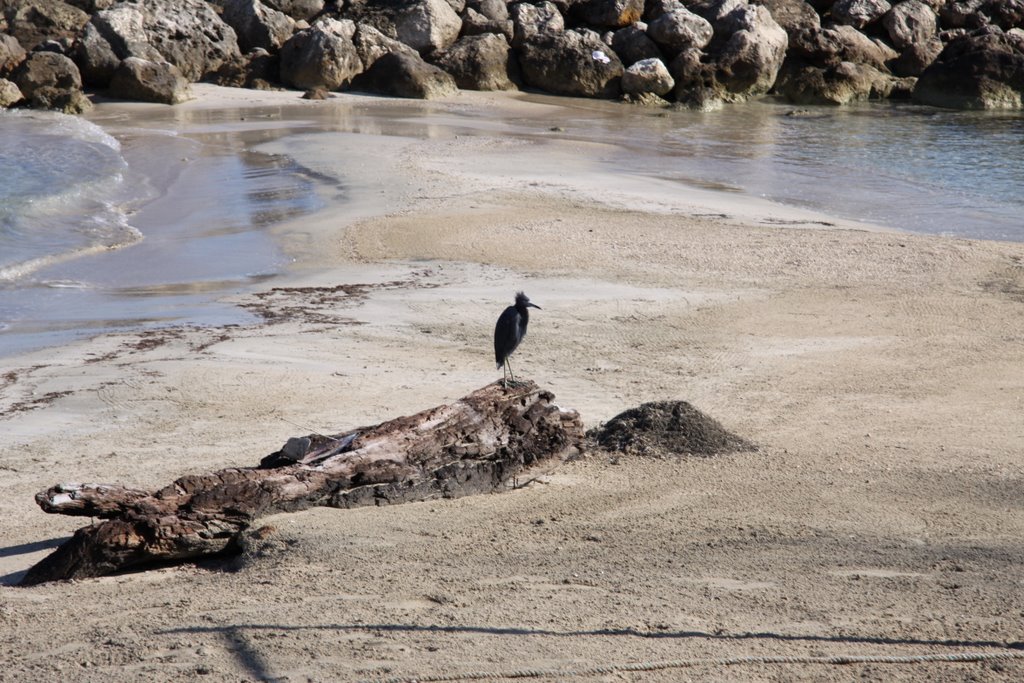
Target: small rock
316,94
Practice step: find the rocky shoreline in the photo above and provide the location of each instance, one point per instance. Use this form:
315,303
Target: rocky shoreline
961,54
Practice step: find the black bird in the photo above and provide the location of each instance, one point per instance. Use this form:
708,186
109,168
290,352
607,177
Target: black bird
509,331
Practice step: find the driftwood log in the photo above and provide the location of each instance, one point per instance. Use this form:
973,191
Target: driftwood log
473,445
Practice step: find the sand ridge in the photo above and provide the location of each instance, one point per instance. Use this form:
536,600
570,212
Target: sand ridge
881,375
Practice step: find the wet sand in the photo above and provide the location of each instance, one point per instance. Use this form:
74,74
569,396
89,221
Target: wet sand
880,373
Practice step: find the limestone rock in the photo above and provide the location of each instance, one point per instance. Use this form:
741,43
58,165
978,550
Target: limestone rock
402,75
9,93
47,69
32,22
571,63
647,76
916,58
322,56
530,21
495,10
428,25
963,14
258,69
297,9
258,25
607,13
371,44
846,83
690,73
859,49
859,13
123,27
95,57
51,81
909,23
1006,14
680,29
655,8
11,53
827,47
187,33
474,23
632,44
749,61
145,81
190,35
792,15
984,70
481,62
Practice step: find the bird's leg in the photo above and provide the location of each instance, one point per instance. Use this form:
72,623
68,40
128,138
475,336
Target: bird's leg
513,377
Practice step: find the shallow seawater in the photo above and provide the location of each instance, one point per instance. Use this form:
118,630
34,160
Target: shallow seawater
912,168
62,191
112,223
120,227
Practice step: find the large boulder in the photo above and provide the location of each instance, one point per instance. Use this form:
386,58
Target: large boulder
145,81
11,53
815,46
655,8
322,56
402,75
481,62
187,33
571,63
530,21
647,76
495,10
909,23
33,22
1006,14
690,73
607,13
749,60
428,25
984,70
190,35
859,13
123,28
827,47
679,29
92,6
371,45
258,25
297,9
842,84
95,57
632,44
9,94
916,58
474,24
258,70
963,14
859,49
51,81
792,15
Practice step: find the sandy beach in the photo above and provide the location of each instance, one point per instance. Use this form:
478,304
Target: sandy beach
880,373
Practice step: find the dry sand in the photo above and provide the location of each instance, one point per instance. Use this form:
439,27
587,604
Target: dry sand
881,374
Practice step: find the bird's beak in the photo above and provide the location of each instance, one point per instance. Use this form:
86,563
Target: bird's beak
535,306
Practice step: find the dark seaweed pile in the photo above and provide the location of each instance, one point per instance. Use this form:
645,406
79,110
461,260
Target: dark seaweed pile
667,428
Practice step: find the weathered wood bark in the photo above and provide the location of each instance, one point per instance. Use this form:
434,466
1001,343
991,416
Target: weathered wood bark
471,446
